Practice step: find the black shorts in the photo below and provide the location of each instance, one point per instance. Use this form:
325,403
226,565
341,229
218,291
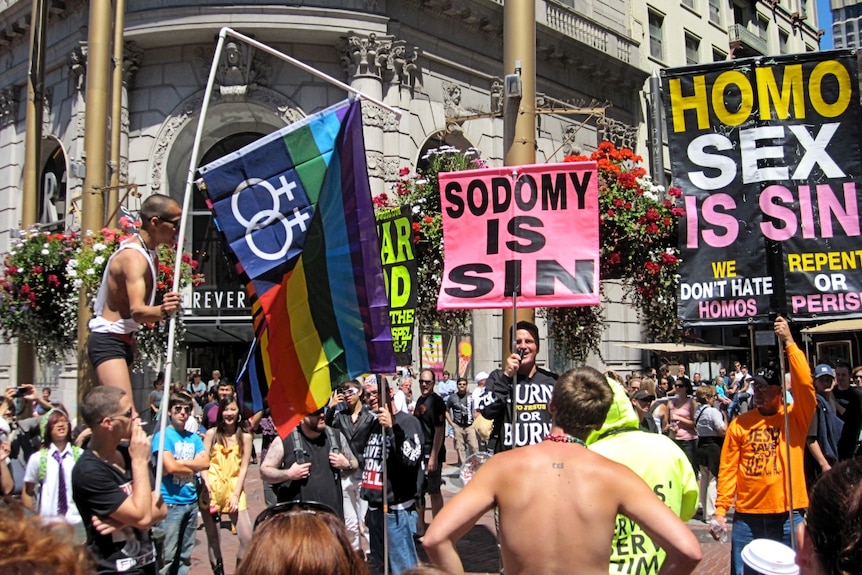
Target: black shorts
432,481
104,346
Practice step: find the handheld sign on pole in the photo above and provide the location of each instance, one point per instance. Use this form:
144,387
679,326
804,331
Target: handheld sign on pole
538,230
767,154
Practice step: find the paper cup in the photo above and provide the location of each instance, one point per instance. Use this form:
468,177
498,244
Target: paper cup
768,557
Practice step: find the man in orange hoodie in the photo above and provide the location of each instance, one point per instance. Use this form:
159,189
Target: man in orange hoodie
754,465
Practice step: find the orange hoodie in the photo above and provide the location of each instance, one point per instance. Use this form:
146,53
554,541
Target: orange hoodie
754,457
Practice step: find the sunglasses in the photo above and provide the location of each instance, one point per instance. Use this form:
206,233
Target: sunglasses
127,415
679,385
175,223
293,508
182,408
427,381
857,376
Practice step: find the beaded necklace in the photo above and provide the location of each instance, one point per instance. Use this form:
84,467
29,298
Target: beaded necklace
564,439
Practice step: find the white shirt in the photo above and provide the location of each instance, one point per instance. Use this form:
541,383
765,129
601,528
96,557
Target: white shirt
477,393
48,492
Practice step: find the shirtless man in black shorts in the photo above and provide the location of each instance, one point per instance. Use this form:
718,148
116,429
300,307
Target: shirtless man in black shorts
126,298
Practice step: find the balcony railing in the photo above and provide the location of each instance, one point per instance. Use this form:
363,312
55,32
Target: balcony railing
739,33
566,21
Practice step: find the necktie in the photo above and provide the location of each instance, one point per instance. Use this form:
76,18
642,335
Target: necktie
62,498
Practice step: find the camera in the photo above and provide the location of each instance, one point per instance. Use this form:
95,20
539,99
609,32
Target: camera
21,391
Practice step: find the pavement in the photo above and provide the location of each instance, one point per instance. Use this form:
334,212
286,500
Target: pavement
478,548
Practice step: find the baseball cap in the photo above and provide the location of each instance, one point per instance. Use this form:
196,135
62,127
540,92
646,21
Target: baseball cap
481,375
823,369
767,376
643,395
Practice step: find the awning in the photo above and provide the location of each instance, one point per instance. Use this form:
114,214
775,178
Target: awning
839,326
681,347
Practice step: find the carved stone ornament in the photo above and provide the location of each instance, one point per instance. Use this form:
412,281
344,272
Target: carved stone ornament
618,133
451,100
8,102
375,116
78,65
496,95
366,56
281,106
132,57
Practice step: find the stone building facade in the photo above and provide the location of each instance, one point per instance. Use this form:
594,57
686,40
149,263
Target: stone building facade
441,61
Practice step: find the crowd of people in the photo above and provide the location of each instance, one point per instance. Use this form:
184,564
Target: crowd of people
628,460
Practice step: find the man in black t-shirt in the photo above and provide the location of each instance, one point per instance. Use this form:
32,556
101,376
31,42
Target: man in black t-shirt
114,485
430,410
849,409
308,463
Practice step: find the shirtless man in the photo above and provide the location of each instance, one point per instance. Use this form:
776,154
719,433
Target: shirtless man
547,491
126,298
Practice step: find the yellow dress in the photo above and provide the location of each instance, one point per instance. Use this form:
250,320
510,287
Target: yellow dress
223,475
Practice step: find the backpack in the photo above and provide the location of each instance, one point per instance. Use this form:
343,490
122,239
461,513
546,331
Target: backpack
829,428
43,460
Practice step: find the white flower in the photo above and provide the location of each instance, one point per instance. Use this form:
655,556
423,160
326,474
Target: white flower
45,252
73,263
77,283
99,246
72,273
90,272
98,260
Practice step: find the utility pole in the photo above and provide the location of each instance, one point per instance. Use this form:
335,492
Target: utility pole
26,368
116,113
519,115
95,147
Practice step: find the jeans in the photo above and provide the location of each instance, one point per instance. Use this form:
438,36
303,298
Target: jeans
400,528
734,405
179,528
750,526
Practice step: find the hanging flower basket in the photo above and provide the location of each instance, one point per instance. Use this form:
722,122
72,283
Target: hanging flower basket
42,279
638,225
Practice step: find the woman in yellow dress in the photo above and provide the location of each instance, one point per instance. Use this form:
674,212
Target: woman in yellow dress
230,452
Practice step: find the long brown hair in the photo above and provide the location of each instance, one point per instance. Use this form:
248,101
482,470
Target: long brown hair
221,433
302,543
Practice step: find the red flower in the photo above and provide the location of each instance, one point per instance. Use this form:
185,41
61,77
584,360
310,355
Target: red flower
416,226
403,171
668,259
38,269
53,280
427,219
652,267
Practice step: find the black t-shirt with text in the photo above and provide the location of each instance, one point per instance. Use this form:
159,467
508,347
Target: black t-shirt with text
99,489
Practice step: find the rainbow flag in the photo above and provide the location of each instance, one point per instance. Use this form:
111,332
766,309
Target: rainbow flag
295,210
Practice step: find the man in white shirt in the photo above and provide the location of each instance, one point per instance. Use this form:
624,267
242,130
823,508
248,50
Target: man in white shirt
50,469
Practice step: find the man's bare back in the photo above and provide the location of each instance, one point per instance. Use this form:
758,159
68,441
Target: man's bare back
558,503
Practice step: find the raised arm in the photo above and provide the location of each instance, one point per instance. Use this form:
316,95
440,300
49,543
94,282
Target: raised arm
138,510
459,515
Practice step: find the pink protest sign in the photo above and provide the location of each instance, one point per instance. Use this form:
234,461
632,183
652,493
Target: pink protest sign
528,230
